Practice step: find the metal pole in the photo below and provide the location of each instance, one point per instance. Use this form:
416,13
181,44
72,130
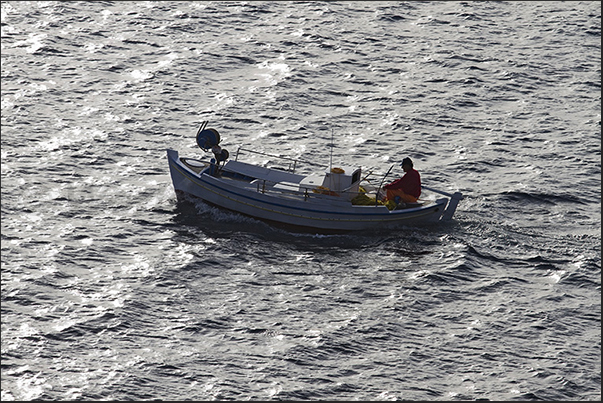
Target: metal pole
382,180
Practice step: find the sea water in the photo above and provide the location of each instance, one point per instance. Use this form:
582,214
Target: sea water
112,290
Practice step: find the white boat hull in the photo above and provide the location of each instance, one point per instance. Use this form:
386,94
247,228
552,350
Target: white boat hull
321,212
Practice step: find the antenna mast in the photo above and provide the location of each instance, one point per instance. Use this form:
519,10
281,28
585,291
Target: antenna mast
331,161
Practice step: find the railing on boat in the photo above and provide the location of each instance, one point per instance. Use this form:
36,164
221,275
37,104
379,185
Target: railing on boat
292,161
267,186
294,190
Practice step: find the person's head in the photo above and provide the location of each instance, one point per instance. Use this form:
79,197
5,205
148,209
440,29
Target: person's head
407,164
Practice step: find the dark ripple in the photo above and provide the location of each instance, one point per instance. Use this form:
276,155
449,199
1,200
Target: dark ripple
542,198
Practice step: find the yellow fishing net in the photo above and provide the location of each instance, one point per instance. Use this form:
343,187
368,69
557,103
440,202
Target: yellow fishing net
363,200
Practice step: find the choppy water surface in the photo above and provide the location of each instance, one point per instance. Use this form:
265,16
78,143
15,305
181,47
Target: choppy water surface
111,290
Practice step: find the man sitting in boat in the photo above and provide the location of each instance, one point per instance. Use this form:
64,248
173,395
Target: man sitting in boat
408,187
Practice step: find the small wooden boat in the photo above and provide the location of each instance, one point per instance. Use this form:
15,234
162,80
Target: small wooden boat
332,199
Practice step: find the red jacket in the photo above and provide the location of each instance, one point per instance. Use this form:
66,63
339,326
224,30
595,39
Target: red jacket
410,183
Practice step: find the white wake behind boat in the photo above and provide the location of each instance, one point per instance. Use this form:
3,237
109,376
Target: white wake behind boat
333,199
